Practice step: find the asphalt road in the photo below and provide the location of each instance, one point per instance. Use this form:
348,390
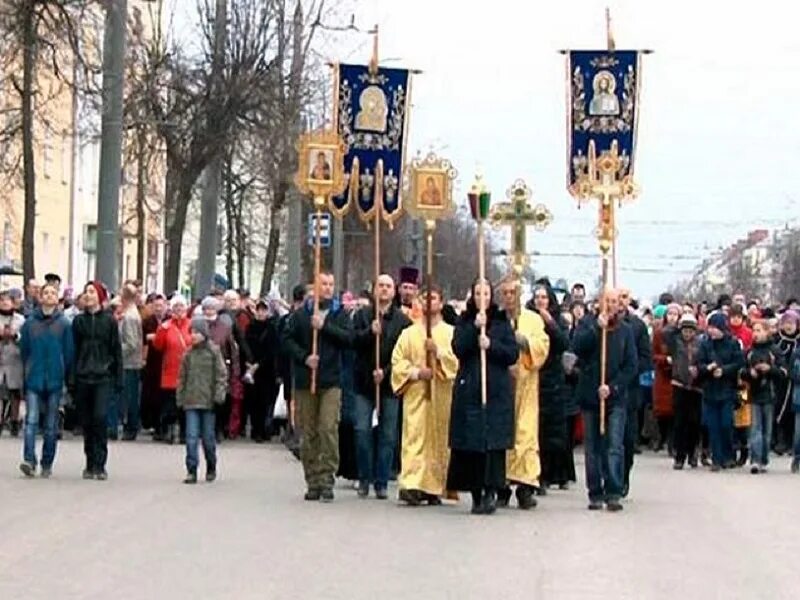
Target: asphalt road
143,534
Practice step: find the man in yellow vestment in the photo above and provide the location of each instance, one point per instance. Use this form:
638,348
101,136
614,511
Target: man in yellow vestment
426,392
522,462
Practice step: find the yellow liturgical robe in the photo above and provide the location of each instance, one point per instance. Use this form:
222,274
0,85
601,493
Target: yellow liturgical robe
425,450
522,462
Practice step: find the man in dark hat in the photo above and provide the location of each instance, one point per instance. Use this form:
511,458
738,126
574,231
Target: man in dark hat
408,289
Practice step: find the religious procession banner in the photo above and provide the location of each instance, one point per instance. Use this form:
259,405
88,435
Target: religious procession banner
604,108
373,105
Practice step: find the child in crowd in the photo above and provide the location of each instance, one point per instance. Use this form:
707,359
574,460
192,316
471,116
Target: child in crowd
202,384
762,370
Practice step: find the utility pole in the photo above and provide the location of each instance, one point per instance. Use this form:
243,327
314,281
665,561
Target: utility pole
111,142
209,202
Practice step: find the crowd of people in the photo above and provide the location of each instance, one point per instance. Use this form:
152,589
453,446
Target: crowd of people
484,396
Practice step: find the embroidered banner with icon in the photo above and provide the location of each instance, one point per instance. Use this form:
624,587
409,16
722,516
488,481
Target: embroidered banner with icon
604,98
373,105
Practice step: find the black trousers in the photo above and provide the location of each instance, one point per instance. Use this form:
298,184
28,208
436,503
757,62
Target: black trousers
688,406
92,400
259,402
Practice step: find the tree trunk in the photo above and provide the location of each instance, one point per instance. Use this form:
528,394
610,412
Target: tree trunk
178,196
141,190
29,174
229,234
273,245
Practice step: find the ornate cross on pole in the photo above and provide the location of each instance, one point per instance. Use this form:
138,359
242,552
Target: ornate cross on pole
518,214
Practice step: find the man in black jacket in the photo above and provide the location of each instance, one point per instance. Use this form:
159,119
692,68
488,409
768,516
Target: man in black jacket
644,355
605,458
368,376
98,373
319,412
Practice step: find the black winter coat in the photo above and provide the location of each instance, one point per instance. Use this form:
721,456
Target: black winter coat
727,354
644,349
473,427
334,337
621,362
393,323
98,350
262,341
762,386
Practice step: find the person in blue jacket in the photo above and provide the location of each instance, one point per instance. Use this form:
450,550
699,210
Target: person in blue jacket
719,360
47,351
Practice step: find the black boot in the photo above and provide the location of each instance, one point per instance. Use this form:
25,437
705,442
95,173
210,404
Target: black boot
489,502
504,497
477,505
525,497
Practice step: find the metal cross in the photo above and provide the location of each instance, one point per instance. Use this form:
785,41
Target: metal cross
518,214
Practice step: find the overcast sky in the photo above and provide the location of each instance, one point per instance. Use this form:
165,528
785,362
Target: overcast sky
718,130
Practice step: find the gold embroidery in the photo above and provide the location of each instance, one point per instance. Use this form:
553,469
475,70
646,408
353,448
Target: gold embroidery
373,110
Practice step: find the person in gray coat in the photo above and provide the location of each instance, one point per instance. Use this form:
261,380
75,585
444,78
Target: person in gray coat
10,364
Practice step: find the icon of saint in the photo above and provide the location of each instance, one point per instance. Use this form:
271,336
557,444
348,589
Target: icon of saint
604,102
322,168
373,110
431,195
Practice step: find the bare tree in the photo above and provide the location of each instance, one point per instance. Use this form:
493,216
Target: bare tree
43,38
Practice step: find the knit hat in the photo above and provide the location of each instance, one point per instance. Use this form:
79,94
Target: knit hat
688,322
659,311
789,316
177,299
102,294
200,325
718,321
210,302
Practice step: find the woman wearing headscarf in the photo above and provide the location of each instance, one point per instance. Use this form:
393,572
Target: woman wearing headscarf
664,331
558,466
480,434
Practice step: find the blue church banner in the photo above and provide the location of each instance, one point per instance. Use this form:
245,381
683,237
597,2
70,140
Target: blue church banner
604,99
373,107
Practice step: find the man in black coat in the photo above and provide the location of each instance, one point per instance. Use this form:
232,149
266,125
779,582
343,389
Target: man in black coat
605,458
367,375
644,355
319,412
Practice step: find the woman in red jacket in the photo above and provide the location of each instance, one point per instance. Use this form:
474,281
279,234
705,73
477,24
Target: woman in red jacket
662,386
172,339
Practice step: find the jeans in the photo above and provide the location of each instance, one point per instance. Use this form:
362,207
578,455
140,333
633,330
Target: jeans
93,400
761,433
319,448
797,435
631,435
200,425
719,420
369,469
605,455
131,384
49,403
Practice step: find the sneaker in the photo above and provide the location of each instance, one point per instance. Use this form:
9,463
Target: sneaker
762,468
101,475
363,489
27,469
191,478
312,495
46,472
613,506
754,470
381,493
211,475
88,474
326,495
595,505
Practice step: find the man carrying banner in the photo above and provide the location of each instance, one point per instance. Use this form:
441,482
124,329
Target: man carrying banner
522,464
426,393
388,324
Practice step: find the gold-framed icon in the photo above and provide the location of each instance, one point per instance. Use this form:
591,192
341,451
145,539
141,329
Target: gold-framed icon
320,170
430,183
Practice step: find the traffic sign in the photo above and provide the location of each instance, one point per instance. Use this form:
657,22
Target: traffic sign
324,229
